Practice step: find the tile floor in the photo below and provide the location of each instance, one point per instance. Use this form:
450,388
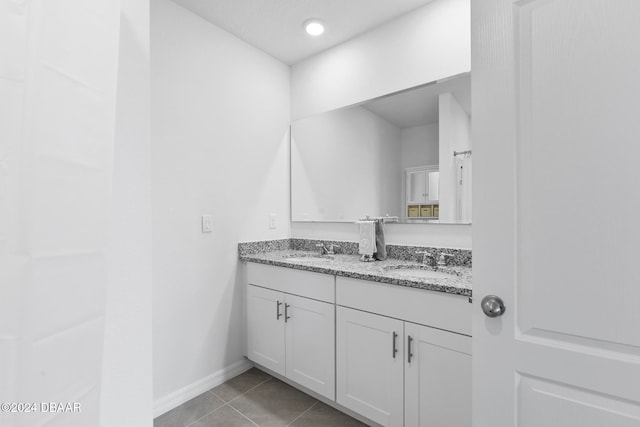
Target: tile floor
254,398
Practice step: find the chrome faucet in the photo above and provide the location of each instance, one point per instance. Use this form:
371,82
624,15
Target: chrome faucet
426,255
323,248
442,259
327,251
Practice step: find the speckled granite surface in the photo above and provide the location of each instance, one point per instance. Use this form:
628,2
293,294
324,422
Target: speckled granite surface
302,255
247,248
344,248
460,257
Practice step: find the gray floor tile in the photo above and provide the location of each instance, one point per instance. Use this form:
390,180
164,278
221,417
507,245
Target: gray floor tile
240,384
189,411
322,415
273,404
223,417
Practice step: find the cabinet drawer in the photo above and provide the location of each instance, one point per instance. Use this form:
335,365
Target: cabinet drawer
436,309
304,283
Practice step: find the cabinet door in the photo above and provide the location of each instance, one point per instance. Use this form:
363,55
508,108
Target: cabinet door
416,187
265,328
433,186
369,372
437,377
310,349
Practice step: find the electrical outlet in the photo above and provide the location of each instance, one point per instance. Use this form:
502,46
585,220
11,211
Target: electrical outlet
207,223
272,220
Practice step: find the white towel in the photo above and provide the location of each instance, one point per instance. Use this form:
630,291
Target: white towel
367,240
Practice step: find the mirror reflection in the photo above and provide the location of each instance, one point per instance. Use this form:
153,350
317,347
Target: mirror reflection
407,154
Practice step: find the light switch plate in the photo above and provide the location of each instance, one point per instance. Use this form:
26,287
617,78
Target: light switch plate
272,220
207,223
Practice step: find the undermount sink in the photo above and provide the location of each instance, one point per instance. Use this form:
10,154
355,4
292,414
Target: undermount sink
418,271
308,257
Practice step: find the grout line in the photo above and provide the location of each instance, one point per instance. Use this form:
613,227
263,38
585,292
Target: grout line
209,391
252,388
311,407
204,416
244,416
224,403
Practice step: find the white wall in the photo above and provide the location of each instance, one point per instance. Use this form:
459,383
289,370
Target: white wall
58,82
127,375
344,164
220,116
419,146
430,43
455,236
425,45
455,129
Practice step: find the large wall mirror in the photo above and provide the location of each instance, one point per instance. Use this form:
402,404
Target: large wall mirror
406,155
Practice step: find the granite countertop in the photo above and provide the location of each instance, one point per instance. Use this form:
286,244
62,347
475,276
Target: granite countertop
389,271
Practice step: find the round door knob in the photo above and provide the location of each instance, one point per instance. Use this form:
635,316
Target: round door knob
492,306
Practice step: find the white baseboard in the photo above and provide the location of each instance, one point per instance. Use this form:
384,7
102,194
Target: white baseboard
178,397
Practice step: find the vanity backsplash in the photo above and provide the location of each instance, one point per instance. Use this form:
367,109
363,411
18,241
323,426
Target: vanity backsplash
459,257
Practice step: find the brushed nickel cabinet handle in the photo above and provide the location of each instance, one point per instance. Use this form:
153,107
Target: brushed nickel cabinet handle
393,344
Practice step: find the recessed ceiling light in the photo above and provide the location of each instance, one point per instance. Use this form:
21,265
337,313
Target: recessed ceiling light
313,27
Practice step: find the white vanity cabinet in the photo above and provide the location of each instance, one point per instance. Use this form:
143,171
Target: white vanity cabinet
422,193
291,325
396,355
422,184
394,370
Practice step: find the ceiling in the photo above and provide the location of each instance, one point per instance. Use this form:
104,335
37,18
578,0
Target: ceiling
419,106
275,26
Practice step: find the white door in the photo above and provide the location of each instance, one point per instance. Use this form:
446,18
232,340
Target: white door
369,365
310,338
556,234
437,377
265,328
